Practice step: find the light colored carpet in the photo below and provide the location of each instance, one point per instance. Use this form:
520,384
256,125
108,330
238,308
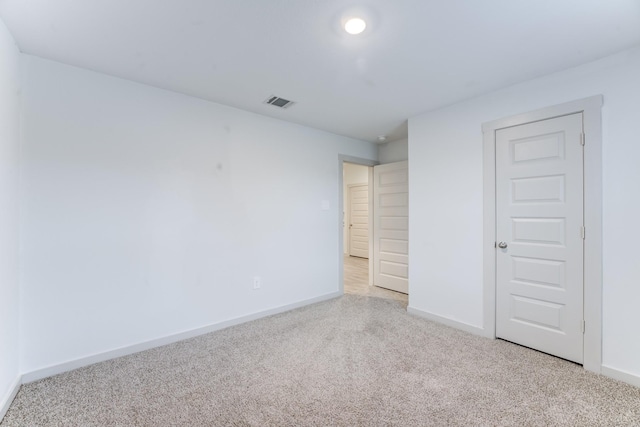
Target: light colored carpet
352,361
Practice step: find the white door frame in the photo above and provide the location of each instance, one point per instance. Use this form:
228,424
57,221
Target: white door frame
592,122
342,159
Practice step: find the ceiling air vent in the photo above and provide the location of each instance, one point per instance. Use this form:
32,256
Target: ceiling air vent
279,102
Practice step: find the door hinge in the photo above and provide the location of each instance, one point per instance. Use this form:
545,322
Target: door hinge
495,244
582,232
584,326
582,139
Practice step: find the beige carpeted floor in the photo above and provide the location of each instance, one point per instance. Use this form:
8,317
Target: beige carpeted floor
352,361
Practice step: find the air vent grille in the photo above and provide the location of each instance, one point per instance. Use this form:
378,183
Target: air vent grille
276,101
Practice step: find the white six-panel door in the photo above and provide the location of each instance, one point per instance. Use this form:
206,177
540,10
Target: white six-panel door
359,220
391,226
539,207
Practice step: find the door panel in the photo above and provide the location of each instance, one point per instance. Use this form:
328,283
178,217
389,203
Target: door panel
539,206
391,226
359,220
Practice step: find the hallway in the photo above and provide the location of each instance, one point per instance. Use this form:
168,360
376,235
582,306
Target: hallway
356,281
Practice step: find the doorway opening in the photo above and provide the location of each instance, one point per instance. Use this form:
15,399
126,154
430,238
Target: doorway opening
356,228
357,231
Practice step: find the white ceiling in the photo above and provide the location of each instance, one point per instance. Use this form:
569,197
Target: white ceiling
416,55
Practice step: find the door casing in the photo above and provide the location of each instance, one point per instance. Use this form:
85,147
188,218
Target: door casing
591,109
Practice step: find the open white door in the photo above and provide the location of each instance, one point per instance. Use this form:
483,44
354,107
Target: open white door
359,220
539,226
391,226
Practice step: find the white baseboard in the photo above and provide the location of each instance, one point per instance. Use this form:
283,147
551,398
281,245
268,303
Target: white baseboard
447,321
620,375
135,348
7,399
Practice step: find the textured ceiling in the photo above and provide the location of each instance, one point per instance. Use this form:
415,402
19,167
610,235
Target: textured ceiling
416,55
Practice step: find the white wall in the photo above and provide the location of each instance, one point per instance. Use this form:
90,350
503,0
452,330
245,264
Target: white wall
393,151
9,149
147,213
445,181
352,174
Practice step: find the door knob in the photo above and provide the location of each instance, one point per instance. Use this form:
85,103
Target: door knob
502,245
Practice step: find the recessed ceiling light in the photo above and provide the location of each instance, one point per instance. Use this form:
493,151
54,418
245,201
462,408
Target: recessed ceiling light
382,138
355,26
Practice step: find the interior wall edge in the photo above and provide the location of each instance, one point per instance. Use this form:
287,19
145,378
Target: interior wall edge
71,365
10,99
620,375
7,400
456,324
